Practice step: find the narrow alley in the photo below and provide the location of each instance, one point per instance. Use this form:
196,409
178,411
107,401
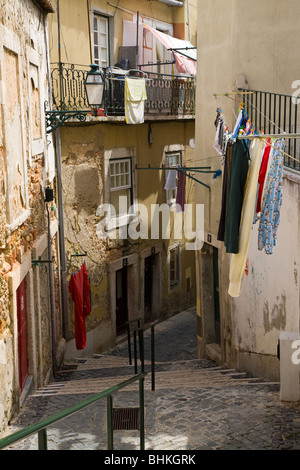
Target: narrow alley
196,405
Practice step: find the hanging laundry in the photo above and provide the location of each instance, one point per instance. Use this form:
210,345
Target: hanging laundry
227,163
272,201
270,162
238,260
180,194
135,95
238,123
79,287
220,141
238,175
262,175
171,182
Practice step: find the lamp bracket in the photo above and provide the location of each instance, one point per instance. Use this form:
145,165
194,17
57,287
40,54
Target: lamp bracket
56,118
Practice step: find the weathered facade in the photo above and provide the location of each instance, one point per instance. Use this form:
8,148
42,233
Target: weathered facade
131,276
248,46
30,327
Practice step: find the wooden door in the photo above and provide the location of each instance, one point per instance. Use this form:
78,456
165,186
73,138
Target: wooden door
22,334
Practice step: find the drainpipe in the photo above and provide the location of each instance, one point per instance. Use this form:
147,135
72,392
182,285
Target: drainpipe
61,232
172,3
50,274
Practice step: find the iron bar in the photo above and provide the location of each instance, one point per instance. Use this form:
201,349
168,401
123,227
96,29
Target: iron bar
152,358
142,413
42,440
135,352
109,412
129,344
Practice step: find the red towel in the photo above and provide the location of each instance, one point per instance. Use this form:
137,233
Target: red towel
79,288
262,176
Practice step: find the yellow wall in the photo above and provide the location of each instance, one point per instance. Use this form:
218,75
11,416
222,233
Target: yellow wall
75,21
83,147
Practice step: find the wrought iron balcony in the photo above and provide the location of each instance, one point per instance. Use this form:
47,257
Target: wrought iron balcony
167,95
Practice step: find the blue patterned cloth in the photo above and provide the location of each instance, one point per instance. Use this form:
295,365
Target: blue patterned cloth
272,201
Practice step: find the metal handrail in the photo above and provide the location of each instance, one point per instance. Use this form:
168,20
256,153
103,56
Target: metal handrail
41,426
140,330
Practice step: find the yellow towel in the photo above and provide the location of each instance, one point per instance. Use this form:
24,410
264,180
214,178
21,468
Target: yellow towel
135,95
238,260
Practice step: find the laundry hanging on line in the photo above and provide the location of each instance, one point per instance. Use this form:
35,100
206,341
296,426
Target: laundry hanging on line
180,194
248,197
79,288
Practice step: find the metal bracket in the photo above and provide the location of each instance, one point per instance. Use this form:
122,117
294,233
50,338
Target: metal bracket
55,119
36,262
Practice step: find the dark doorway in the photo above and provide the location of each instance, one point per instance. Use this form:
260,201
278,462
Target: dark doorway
121,300
22,334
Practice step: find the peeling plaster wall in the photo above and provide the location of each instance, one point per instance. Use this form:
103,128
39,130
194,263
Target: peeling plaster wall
86,150
24,174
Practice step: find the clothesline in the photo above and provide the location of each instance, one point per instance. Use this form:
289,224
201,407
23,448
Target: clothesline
276,136
283,135
185,170
259,172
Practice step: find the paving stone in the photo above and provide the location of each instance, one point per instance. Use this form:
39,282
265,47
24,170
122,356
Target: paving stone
196,405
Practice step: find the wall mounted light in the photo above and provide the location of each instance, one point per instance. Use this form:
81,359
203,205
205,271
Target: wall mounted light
94,86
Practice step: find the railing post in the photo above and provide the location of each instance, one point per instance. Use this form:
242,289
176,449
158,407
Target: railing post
142,350
142,413
135,352
129,344
110,432
42,439
152,358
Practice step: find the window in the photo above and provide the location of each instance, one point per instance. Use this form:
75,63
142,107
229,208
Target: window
101,41
174,267
173,159
120,185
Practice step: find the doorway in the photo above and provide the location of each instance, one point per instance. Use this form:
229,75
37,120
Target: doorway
22,334
121,300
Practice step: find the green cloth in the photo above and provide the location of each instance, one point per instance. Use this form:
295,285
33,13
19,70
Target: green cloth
237,179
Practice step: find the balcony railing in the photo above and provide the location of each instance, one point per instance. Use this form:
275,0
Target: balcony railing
274,113
167,95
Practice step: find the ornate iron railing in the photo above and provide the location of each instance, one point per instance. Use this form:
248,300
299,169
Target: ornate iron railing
275,113
171,95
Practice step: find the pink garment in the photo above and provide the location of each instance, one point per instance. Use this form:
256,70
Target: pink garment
184,64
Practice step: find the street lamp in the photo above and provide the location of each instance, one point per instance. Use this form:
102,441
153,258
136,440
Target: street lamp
94,86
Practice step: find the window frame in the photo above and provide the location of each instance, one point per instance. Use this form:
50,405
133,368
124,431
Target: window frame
169,199
175,283
121,219
96,15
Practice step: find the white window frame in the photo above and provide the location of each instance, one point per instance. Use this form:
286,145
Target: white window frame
98,17
169,197
114,162
115,222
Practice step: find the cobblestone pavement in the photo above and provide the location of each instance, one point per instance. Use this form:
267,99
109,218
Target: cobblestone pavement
195,406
